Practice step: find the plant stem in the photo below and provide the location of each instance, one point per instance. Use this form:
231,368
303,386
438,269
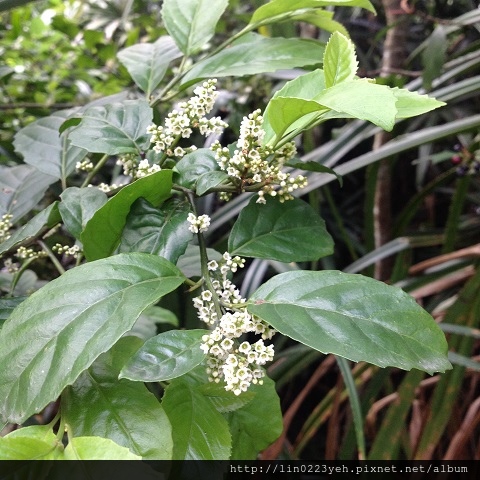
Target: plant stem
52,257
94,171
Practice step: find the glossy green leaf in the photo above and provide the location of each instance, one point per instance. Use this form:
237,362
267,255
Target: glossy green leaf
257,56
193,165
22,187
210,180
189,262
114,128
287,232
161,231
147,63
354,317
103,231
258,424
27,448
46,219
199,431
161,315
283,9
223,400
43,147
192,22
340,61
313,166
7,305
78,206
323,20
62,328
166,356
40,432
96,448
123,411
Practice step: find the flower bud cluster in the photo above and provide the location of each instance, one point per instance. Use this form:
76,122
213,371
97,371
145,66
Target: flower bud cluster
198,224
10,266
238,364
84,166
105,187
66,250
29,253
5,226
254,163
180,122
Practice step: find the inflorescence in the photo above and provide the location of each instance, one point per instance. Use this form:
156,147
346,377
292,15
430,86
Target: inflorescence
224,310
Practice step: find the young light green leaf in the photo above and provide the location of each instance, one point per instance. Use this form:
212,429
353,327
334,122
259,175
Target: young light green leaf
323,20
96,448
46,219
277,10
22,187
354,317
40,432
340,61
193,165
257,424
123,411
280,231
199,431
59,331
161,231
43,147
166,356
27,448
259,55
78,206
410,104
103,231
147,63
114,128
192,22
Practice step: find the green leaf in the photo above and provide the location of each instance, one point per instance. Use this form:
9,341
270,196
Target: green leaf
340,61
115,128
323,20
42,146
46,219
7,305
410,104
225,402
40,432
312,166
276,10
192,22
147,63
354,317
78,206
210,180
103,231
26,448
280,231
95,448
62,328
257,56
193,165
258,424
161,231
22,188
199,431
166,356
434,56
123,411
161,315
189,262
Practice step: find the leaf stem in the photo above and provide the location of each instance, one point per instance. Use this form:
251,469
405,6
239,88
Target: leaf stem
52,257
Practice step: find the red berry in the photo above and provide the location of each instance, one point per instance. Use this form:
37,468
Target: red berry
456,159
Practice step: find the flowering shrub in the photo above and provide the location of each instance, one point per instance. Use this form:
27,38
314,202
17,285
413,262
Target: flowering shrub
77,340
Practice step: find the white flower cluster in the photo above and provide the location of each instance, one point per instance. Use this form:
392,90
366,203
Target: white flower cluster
10,266
66,250
84,166
180,123
238,364
198,224
105,187
135,167
29,253
253,163
5,226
